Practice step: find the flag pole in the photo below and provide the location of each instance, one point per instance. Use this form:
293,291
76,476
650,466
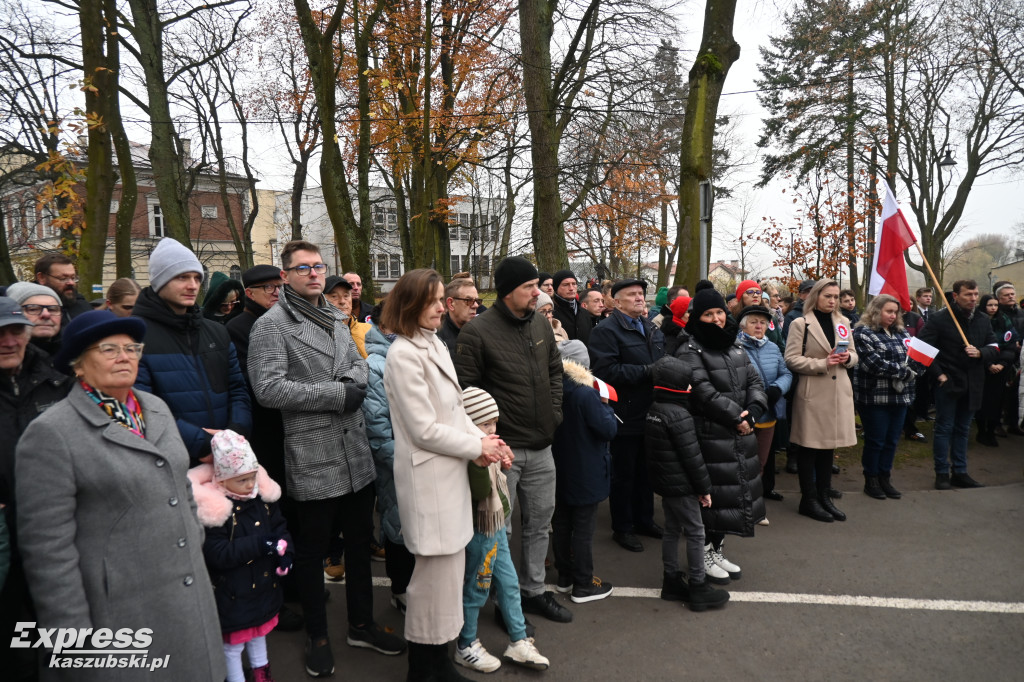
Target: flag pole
938,285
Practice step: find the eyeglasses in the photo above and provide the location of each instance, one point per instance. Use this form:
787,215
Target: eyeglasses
113,350
226,306
35,309
65,280
304,270
549,312
469,301
267,288
753,291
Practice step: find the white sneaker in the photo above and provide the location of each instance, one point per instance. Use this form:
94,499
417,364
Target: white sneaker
476,657
729,567
525,654
713,571
763,522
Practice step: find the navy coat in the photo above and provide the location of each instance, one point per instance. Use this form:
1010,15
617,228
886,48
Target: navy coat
583,465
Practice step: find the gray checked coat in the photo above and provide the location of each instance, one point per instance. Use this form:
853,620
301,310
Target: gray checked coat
296,367
109,535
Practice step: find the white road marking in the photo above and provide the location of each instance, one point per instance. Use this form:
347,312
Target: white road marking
824,600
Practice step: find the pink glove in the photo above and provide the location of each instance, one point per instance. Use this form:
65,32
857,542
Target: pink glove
285,564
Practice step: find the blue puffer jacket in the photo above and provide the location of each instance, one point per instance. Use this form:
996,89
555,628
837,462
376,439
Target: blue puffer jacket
583,465
771,365
377,413
190,363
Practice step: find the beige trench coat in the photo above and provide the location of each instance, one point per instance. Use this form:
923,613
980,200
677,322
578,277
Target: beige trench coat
823,416
434,441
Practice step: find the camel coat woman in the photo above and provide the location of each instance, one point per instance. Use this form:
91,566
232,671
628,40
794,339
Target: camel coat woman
434,442
823,416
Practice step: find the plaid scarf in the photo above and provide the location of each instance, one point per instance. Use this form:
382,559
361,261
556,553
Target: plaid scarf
128,414
320,314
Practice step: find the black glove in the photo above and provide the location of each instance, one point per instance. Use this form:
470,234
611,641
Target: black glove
268,544
284,564
774,393
354,396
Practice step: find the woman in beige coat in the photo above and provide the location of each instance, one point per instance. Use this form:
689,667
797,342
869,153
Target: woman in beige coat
434,441
823,417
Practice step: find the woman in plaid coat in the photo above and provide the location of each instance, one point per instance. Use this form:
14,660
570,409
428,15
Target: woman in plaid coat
883,389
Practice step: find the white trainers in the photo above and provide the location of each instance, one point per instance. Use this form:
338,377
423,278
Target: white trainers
476,657
729,567
713,571
763,522
525,654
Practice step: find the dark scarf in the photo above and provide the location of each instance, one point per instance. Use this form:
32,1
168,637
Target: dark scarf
128,414
827,326
710,335
321,315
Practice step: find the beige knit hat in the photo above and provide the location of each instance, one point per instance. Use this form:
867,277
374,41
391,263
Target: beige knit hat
479,404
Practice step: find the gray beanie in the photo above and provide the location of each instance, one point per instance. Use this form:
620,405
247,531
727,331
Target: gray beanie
22,291
576,351
543,299
168,260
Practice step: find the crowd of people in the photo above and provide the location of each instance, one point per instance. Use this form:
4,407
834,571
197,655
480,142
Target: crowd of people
199,470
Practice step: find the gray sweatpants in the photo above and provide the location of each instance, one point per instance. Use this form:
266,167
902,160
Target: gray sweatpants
682,517
531,484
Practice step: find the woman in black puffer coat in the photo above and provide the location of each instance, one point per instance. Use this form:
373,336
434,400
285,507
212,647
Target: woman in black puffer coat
727,398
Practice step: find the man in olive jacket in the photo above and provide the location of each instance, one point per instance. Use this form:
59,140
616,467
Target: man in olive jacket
511,353
959,375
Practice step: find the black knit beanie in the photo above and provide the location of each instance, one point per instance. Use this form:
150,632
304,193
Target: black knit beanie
702,285
556,279
704,300
512,272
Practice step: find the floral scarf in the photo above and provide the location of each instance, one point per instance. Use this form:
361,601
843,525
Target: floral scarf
128,414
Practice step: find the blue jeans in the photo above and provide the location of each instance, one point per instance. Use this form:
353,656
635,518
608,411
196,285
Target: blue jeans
952,430
487,559
882,427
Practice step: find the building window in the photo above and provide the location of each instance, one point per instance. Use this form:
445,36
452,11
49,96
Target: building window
115,205
209,212
235,273
157,228
396,266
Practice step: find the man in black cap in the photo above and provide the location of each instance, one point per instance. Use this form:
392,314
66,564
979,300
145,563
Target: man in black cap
797,310
511,353
623,347
576,321
28,385
262,289
360,309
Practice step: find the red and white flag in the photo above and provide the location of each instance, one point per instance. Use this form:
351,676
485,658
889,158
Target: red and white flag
606,391
889,270
922,351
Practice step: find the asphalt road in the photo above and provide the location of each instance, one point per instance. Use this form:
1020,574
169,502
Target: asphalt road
924,588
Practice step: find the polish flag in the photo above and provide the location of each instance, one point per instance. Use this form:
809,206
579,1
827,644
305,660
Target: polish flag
922,351
889,270
606,391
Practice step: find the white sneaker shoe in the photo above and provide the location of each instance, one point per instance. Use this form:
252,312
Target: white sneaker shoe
763,522
729,567
476,657
525,654
713,571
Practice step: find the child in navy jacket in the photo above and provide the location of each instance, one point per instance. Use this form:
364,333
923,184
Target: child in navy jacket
247,549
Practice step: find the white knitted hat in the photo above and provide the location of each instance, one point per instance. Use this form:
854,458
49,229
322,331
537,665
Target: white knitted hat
479,404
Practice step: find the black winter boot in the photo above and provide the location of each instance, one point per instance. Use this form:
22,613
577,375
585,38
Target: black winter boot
704,597
674,587
810,506
826,503
885,483
872,488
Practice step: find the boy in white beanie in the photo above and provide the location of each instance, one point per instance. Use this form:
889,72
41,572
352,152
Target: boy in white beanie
488,557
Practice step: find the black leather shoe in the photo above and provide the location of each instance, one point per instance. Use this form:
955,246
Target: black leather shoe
546,605
826,503
500,620
835,493
872,488
628,541
942,482
809,506
652,531
835,469
964,481
774,495
885,483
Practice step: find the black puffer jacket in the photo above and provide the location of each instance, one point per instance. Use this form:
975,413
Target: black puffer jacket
622,356
515,359
724,384
675,465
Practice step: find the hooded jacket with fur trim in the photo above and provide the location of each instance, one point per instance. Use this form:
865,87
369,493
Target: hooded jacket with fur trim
582,462
245,583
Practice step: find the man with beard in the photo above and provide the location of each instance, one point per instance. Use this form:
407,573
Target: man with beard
57,272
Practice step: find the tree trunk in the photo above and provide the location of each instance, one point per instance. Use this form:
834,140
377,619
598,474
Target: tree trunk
851,235
536,19
361,240
99,88
718,51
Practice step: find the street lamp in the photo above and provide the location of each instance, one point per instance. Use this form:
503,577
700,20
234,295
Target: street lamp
947,161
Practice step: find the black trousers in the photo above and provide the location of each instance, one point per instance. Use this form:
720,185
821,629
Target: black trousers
318,522
398,562
631,501
572,539
815,470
